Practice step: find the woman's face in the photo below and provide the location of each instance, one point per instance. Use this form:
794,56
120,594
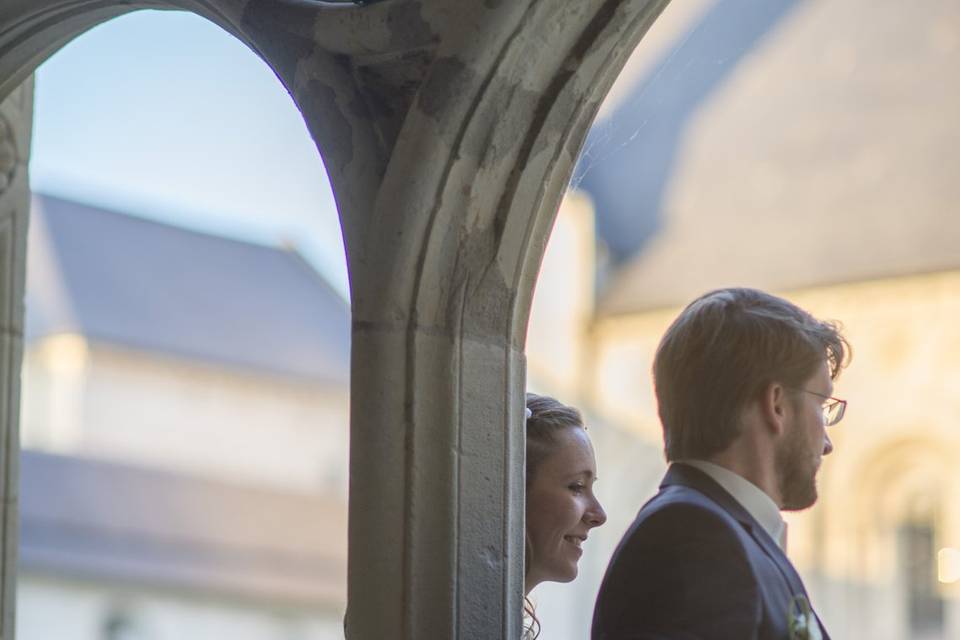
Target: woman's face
561,508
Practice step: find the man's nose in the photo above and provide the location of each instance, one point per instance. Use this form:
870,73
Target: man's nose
827,445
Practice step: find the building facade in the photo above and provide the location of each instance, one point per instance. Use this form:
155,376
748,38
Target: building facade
184,424
791,147
450,136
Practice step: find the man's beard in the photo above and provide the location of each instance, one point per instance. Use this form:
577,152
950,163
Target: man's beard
796,472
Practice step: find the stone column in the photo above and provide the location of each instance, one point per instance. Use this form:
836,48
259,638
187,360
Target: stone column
449,129
16,114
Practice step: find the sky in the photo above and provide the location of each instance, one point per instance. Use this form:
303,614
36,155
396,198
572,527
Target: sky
166,116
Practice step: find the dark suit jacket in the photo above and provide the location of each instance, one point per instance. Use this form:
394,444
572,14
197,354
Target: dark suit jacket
696,564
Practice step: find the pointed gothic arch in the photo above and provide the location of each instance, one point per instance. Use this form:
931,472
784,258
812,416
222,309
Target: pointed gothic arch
449,138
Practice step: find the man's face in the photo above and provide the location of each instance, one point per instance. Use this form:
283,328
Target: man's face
804,444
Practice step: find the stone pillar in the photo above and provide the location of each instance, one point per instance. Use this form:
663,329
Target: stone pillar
449,130
16,114
449,157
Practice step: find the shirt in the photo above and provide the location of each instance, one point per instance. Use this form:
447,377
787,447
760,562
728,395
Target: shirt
751,497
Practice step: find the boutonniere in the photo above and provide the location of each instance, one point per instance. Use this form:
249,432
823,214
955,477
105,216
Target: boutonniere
802,621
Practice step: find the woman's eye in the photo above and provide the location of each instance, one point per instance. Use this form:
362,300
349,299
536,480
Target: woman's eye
578,487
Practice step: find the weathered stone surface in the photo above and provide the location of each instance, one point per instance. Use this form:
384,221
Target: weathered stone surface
449,130
15,128
8,154
11,268
16,115
11,354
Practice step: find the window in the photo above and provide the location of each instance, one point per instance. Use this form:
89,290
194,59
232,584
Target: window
918,566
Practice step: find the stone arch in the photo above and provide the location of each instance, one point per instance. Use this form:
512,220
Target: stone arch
449,133
900,492
898,469
897,480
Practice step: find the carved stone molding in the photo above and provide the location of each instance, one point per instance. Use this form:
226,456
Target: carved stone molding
15,128
449,130
8,154
16,113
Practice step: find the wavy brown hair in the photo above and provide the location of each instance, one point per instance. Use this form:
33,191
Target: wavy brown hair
722,351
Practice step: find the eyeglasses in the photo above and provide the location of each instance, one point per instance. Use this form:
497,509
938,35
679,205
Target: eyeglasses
833,408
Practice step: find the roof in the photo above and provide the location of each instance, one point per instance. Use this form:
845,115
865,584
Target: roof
105,521
782,145
132,282
631,154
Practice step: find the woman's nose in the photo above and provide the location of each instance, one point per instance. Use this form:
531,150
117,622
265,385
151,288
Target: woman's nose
596,516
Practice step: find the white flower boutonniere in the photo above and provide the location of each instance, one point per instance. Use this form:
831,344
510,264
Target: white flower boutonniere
802,621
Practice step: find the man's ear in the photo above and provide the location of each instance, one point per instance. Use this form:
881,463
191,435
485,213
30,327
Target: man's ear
774,406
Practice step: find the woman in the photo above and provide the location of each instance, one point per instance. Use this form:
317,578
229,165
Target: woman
561,507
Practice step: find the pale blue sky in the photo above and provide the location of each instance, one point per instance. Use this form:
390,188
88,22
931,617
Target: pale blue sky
165,115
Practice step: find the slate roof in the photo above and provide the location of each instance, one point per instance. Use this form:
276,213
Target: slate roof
135,283
89,519
630,156
782,145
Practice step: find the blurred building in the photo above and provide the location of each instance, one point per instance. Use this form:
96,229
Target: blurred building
184,422
810,149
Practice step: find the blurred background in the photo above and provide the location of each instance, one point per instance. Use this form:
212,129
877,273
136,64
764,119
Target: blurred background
185,383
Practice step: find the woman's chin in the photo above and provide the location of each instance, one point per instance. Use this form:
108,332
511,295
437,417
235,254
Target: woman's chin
567,576
558,574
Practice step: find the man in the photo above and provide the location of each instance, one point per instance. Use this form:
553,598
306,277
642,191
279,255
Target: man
744,383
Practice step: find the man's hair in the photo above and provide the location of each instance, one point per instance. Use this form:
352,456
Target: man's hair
722,352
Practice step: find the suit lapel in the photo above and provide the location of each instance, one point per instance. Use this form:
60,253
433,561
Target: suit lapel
684,475
687,476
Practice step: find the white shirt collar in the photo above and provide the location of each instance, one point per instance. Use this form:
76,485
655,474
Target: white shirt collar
757,503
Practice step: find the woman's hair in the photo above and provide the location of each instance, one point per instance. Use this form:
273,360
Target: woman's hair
531,630
546,417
